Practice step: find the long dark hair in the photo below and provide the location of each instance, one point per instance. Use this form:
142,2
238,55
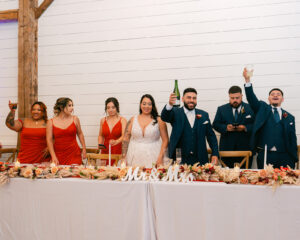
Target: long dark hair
154,113
114,101
60,104
43,109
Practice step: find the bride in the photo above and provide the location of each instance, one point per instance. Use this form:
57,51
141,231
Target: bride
146,137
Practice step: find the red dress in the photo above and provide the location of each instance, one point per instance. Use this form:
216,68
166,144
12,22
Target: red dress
115,134
33,144
65,145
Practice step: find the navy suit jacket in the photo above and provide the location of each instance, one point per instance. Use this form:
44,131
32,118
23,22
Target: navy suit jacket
230,141
263,111
176,116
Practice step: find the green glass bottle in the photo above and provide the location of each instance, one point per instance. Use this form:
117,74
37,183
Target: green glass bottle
176,91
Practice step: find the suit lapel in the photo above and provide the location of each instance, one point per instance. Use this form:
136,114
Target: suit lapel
182,116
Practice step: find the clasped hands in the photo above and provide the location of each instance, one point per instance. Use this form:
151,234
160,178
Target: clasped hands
239,128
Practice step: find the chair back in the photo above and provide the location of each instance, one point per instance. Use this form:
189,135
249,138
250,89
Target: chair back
12,151
245,154
93,157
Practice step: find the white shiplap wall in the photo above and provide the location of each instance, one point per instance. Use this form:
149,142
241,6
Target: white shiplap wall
91,50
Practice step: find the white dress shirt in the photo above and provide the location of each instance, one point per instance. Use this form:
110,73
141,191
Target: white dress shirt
239,109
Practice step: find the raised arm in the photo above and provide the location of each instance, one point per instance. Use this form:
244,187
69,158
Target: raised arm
126,138
80,136
167,113
10,122
251,97
50,141
165,141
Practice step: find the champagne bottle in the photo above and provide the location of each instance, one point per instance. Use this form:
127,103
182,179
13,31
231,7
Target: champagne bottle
176,91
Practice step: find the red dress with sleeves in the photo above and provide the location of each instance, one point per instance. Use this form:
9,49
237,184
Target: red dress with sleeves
65,145
33,144
114,134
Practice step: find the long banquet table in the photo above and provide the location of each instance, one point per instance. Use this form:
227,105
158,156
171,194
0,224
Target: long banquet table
90,209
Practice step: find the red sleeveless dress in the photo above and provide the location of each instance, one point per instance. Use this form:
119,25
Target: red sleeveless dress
33,144
65,145
115,133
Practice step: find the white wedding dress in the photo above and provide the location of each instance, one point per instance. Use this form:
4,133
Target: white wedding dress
143,150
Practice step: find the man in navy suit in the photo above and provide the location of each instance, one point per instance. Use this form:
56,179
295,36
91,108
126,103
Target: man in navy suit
273,127
190,129
234,122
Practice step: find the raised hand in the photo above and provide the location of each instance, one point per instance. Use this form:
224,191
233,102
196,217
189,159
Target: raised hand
12,106
246,75
172,99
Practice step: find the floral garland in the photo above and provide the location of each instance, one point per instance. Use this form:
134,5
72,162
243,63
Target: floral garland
206,173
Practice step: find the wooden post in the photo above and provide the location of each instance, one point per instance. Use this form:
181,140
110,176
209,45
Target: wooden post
28,57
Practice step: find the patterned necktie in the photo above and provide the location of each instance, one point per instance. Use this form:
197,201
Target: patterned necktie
276,115
236,114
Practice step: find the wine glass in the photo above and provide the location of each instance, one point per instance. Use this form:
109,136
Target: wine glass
249,69
178,156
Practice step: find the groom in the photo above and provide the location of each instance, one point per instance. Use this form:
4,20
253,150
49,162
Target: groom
190,129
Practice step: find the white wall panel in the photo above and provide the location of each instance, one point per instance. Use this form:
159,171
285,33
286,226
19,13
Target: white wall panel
94,49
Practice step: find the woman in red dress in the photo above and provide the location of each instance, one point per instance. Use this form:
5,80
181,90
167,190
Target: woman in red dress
33,145
61,135
112,128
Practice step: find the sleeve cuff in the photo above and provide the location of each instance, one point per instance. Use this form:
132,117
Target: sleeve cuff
169,107
248,84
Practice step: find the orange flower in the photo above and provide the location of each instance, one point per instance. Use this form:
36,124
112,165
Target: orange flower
282,174
262,173
243,180
54,170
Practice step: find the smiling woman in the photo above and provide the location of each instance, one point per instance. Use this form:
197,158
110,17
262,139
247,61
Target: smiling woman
148,136
33,148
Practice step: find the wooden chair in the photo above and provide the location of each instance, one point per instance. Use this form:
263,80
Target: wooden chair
92,158
13,152
245,154
92,150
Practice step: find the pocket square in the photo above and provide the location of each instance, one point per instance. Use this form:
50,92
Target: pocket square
291,123
248,116
206,122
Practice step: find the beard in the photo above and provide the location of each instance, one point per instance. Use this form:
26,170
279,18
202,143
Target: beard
189,108
235,104
274,104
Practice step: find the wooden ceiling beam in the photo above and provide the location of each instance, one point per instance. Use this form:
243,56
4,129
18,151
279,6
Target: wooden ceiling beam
9,15
42,8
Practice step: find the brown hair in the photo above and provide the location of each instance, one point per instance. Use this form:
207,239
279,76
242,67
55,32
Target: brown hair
60,104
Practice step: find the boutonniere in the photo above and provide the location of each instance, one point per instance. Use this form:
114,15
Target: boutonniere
285,115
242,110
198,116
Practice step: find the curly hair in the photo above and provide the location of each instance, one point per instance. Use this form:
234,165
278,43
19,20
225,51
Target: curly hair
60,104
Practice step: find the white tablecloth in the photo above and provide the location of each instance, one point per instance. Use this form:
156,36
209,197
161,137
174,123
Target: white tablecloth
71,209
217,211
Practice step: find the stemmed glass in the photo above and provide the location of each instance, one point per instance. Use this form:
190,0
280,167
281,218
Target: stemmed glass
249,69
